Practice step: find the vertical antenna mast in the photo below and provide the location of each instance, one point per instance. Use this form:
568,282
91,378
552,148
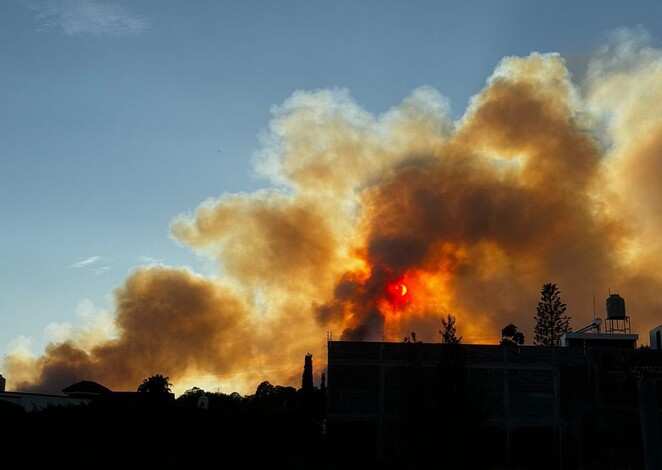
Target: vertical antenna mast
593,306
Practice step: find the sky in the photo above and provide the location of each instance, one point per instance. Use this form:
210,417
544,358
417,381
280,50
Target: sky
210,190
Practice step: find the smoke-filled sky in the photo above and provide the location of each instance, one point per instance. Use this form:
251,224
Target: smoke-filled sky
209,191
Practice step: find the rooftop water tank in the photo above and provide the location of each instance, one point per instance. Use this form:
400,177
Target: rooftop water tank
615,306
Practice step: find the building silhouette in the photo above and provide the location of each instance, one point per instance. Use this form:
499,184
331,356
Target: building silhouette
590,405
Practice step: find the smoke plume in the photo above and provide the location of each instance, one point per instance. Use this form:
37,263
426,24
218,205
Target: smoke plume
376,226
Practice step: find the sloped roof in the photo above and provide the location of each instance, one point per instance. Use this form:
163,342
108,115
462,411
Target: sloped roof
85,387
8,408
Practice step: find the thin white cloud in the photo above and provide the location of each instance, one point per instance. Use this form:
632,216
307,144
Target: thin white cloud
100,270
85,262
150,261
95,264
87,17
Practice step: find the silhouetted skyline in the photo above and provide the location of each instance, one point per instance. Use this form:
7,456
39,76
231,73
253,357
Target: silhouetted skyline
208,192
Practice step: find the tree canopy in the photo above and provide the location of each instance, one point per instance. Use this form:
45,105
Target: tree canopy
510,335
156,384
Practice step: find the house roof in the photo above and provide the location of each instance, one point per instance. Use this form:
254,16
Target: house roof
9,408
85,387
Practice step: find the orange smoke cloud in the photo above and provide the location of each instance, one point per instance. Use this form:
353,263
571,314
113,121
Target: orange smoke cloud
542,180
168,321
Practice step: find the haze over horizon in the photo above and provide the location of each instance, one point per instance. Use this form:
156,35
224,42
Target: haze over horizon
208,201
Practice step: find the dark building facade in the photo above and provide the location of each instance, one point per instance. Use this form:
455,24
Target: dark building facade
419,405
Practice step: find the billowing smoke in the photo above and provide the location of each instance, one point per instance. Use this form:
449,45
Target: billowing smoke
378,226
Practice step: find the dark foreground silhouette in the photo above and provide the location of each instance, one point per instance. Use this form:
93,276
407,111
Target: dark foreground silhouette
277,428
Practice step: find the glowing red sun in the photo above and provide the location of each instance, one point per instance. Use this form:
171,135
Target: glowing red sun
398,293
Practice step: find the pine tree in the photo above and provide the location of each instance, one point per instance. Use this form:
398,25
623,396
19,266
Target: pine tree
551,320
448,333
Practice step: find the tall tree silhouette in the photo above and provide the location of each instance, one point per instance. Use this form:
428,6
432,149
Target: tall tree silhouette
551,320
307,376
448,331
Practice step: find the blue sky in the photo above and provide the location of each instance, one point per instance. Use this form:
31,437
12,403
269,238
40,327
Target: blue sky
118,116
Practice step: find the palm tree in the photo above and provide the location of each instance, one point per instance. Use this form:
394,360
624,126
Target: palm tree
156,384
